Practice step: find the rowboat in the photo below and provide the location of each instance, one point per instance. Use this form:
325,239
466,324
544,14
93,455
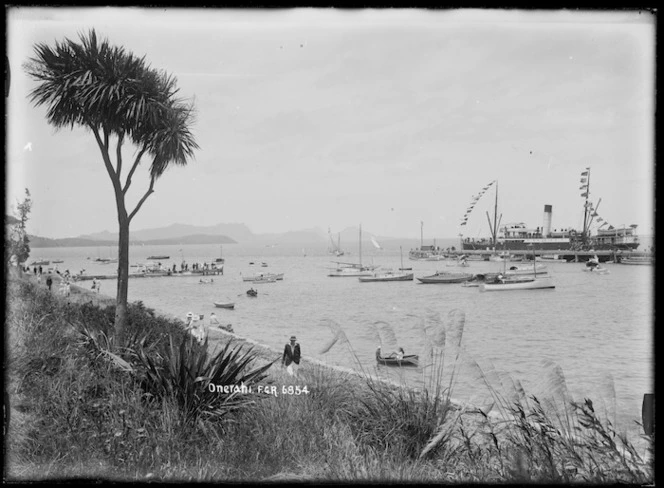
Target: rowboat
445,277
252,292
158,257
392,360
229,305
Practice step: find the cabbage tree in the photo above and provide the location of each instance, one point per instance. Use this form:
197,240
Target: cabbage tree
121,100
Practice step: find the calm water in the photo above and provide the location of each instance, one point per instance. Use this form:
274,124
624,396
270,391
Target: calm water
597,328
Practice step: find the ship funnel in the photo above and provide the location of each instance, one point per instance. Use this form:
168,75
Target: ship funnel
546,227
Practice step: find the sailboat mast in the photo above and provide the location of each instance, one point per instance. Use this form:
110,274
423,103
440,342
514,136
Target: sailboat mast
360,245
495,218
421,233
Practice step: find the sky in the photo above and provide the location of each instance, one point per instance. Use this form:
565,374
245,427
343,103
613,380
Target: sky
390,119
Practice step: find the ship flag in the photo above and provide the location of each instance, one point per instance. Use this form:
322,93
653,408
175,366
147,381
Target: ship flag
584,194
585,173
474,200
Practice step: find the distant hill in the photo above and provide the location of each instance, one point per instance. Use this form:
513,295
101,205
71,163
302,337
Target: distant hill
36,241
221,234
236,232
193,234
39,242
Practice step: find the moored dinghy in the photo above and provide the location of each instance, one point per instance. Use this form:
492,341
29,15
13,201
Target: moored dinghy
445,277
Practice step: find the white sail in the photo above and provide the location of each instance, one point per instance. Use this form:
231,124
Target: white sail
375,243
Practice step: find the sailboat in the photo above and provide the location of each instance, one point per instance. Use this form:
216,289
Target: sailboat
389,275
516,282
220,259
335,247
375,243
353,269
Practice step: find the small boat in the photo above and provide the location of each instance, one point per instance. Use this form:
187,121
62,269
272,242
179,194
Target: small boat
526,269
597,269
518,283
261,276
159,257
387,276
220,259
229,305
57,261
393,360
265,280
637,260
445,277
480,278
351,271
252,292
40,262
548,257
263,265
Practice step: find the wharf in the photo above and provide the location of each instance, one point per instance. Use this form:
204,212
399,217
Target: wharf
184,274
569,256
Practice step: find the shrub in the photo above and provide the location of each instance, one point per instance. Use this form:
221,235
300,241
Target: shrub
188,375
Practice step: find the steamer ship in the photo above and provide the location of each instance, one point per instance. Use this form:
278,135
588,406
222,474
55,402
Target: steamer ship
520,237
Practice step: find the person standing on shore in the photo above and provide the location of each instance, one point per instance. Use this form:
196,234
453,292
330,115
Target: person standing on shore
291,356
49,283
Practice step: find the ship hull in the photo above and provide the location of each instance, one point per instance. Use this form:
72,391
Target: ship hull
536,245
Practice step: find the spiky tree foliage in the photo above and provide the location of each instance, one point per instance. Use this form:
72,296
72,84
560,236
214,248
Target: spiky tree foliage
119,98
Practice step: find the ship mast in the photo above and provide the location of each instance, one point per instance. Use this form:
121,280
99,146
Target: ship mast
493,228
586,206
421,233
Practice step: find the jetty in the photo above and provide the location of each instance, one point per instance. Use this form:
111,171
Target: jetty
160,274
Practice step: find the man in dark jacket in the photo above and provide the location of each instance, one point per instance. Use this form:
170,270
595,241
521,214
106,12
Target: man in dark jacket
291,356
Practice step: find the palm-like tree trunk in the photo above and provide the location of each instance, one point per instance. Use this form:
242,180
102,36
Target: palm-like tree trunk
123,273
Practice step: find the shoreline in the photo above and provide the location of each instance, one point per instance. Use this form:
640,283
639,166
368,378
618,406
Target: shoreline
80,294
